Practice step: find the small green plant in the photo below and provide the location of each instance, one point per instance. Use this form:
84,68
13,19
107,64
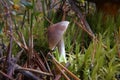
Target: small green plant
105,64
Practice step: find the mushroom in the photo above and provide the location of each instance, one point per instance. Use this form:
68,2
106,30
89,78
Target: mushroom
55,38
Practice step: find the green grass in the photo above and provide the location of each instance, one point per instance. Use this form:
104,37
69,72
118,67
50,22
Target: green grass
106,62
80,50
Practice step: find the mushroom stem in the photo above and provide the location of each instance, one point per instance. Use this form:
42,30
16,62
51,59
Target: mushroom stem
55,38
61,49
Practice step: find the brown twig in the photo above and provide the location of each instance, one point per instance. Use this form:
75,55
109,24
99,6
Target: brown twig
64,10
48,20
30,45
23,39
94,51
19,43
83,23
36,71
36,58
26,73
39,62
58,76
79,25
46,62
18,55
62,72
10,24
60,65
80,16
6,75
93,37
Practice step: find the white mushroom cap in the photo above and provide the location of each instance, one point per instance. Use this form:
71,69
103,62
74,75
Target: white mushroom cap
55,33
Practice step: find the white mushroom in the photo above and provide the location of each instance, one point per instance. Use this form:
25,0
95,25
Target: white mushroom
55,38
